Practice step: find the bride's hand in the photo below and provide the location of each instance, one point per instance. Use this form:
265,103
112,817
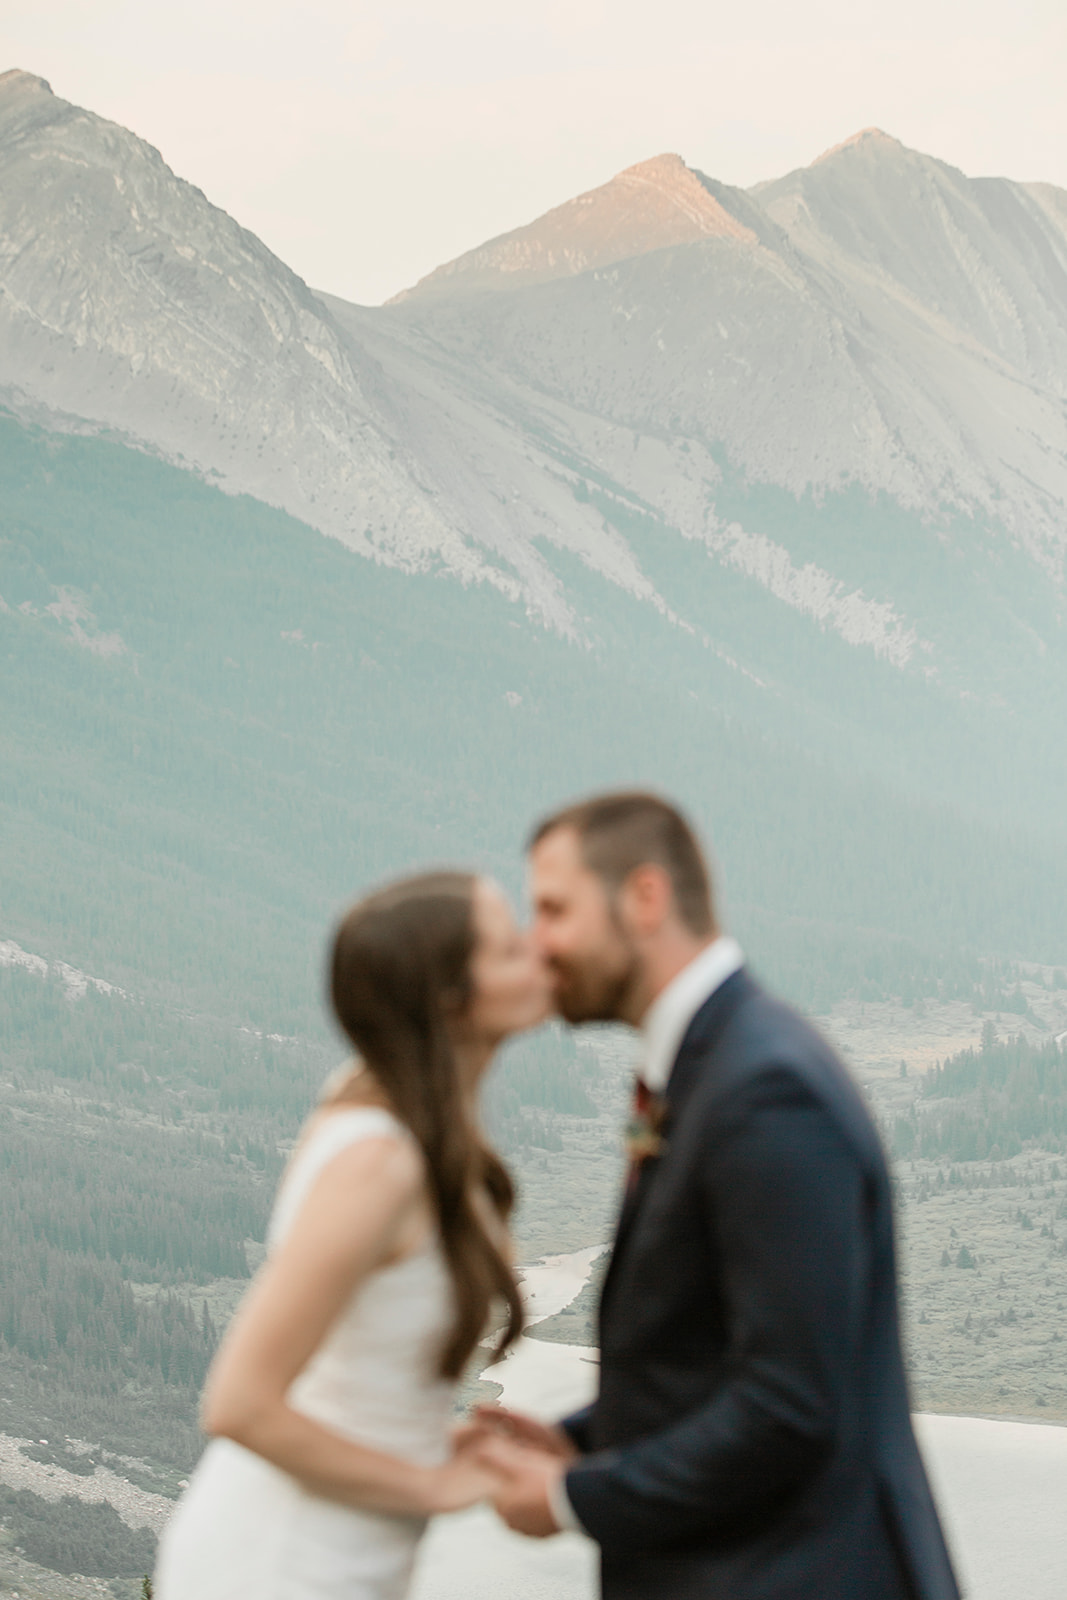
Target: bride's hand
460,1482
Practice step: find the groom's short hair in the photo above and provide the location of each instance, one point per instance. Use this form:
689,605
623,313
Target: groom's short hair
620,832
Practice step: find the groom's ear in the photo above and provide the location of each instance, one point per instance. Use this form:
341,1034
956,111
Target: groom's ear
646,898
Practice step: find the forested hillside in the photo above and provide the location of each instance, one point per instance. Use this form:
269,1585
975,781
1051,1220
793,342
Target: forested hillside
990,1103
223,724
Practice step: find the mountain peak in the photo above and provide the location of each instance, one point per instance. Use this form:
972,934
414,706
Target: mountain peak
668,170
650,206
16,79
870,138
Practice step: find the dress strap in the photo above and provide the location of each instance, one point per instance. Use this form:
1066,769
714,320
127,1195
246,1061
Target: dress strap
336,1130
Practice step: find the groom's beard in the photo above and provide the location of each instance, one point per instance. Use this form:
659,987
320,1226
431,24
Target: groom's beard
592,992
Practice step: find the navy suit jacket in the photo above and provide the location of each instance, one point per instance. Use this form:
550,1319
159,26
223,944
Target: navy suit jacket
751,1439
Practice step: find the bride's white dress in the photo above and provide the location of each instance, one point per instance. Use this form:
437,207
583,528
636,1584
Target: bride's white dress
243,1528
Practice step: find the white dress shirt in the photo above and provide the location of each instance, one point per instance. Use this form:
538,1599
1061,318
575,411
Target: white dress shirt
667,1018
662,1029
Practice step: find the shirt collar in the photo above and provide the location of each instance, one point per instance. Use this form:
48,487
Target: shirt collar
674,1007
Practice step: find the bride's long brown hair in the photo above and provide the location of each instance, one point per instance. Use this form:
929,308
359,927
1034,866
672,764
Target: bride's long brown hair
400,971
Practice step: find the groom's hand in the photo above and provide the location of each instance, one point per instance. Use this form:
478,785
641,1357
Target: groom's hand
526,1482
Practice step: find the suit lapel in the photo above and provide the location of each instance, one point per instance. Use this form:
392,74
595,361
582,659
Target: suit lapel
701,1037
698,1040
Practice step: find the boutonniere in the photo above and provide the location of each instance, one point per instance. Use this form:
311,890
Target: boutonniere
646,1129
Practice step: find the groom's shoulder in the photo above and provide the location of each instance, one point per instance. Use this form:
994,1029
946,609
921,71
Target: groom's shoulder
768,1048
757,1024
771,1023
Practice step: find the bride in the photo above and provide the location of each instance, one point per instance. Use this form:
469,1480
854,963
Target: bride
330,1400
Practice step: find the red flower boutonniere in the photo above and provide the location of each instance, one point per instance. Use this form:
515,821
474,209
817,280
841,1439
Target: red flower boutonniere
645,1130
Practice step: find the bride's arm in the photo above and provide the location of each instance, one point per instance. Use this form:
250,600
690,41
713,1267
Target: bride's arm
358,1215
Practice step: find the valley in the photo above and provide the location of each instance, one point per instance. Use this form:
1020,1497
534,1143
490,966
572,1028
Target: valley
984,1275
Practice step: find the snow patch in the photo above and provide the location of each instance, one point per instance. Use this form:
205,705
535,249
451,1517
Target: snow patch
13,955
70,608
74,981
816,593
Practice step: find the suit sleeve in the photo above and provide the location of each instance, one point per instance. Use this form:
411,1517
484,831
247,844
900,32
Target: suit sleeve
576,1427
784,1198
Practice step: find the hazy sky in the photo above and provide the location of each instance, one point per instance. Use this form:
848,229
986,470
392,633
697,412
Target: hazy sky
368,141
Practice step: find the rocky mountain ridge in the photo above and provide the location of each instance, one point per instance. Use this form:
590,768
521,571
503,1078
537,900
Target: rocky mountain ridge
873,338
876,319
127,299
650,206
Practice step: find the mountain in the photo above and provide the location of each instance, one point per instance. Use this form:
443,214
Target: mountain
130,301
908,327
875,334
735,451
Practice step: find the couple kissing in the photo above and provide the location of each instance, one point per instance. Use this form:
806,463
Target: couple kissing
750,1439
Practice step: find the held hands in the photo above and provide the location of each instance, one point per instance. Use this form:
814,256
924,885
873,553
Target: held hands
527,1460
461,1481
466,1478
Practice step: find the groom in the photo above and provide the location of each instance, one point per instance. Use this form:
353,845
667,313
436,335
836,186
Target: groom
751,1437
